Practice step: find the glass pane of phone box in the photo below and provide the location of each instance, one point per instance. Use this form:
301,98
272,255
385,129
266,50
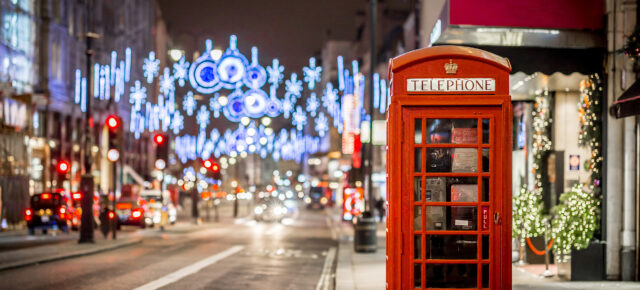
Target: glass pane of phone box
451,218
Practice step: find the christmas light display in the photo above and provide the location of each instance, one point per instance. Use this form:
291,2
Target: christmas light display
527,214
180,71
229,84
312,73
151,67
541,142
589,112
576,220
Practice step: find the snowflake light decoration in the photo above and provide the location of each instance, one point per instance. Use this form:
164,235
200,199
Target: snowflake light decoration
150,67
322,124
313,104
330,98
167,85
180,71
202,117
138,96
299,118
312,73
215,106
275,72
177,122
189,103
287,107
293,86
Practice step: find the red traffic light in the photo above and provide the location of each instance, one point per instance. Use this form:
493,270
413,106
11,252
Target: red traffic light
112,122
159,139
215,167
63,166
207,164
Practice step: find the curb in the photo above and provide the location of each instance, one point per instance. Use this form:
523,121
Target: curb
69,255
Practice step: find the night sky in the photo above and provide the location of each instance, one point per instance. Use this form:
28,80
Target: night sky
290,30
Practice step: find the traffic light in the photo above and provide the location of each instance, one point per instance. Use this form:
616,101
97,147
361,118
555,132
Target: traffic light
115,137
162,148
62,169
215,168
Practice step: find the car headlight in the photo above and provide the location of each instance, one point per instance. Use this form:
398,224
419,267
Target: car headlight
323,200
258,210
307,200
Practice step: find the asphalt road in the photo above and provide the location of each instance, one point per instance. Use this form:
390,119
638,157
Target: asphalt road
240,254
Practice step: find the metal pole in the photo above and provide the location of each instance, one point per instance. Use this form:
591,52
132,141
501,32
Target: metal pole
372,64
86,183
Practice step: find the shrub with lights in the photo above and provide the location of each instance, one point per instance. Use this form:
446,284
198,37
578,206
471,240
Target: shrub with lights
527,214
589,112
575,222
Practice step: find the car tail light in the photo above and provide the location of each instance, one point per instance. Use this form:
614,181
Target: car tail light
28,214
123,206
112,215
45,196
136,213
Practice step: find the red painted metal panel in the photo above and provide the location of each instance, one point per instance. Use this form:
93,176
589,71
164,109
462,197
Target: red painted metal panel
556,14
405,109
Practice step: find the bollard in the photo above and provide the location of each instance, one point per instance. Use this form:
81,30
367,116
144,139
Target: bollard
364,238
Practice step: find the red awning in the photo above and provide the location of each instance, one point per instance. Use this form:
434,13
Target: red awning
628,104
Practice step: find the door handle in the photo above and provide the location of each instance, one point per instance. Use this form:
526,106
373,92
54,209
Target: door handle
496,218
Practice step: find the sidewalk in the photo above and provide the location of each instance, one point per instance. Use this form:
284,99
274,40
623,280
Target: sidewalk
362,271
367,270
65,250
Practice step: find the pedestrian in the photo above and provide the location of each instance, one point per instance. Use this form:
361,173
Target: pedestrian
381,208
104,220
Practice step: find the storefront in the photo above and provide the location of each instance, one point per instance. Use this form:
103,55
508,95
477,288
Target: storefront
553,49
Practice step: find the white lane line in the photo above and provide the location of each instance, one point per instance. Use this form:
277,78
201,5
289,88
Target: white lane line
325,278
188,270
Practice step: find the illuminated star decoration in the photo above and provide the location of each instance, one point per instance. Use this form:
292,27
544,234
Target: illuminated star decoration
275,72
322,124
177,122
189,103
180,70
203,117
215,106
312,73
312,104
138,96
151,67
293,86
299,118
167,85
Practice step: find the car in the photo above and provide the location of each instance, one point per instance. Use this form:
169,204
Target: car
133,212
153,199
270,210
318,198
47,210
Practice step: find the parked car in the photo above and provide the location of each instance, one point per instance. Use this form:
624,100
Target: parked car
48,210
133,212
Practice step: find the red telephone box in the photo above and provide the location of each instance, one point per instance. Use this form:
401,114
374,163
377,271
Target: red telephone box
449,170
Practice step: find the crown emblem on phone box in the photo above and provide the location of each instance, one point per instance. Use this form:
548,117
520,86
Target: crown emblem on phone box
451,68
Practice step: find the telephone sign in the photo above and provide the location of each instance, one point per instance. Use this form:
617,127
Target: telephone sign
449,170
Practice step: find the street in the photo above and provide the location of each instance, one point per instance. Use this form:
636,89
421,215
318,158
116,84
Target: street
227,255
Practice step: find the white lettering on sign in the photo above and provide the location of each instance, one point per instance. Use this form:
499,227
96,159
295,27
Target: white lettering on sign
451,85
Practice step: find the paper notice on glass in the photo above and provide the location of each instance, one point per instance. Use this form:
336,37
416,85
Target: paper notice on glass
464,136
464,192
464,160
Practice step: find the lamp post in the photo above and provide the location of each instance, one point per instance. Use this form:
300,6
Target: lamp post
372,63
234,185
86,183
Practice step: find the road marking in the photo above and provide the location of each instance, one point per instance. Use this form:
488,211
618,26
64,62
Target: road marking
323,283
188,270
